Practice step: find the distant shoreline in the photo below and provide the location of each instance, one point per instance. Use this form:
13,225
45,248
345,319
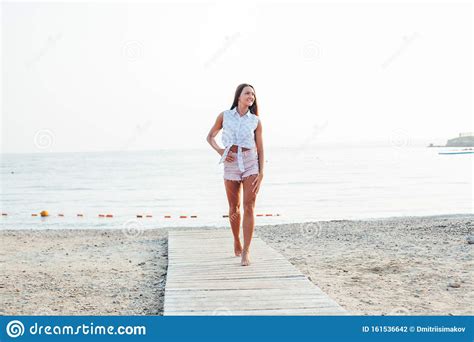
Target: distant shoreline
316,144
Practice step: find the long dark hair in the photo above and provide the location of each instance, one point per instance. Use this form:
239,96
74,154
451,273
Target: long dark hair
254,107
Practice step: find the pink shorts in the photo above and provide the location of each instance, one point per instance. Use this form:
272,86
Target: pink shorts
232,171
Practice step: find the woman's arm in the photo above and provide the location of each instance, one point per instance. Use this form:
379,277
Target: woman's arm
213,132
259,143
261,158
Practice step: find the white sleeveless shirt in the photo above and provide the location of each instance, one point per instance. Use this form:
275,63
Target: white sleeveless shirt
238,130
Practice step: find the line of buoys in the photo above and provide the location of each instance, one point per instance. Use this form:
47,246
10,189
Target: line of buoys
45,213
168,216
258,215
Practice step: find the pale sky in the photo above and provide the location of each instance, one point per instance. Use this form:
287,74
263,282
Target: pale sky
100,77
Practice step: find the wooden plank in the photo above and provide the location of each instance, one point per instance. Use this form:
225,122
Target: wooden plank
222,311
205,278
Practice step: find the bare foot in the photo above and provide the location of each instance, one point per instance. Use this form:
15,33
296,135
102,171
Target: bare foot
237,248
245,257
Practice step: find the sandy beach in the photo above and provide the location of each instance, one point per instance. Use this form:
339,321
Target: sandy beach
396,266
406,265
82,272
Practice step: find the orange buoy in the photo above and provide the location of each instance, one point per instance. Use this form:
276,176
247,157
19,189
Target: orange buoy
44,213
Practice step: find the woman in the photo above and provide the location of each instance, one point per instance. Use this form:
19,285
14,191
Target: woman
243,162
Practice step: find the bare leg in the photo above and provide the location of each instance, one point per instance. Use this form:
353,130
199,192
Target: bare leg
249,218
233,197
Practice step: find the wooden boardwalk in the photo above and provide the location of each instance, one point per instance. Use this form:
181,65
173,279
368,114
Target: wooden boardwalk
205,278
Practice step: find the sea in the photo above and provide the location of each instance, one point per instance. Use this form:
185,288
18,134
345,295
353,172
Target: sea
185,188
